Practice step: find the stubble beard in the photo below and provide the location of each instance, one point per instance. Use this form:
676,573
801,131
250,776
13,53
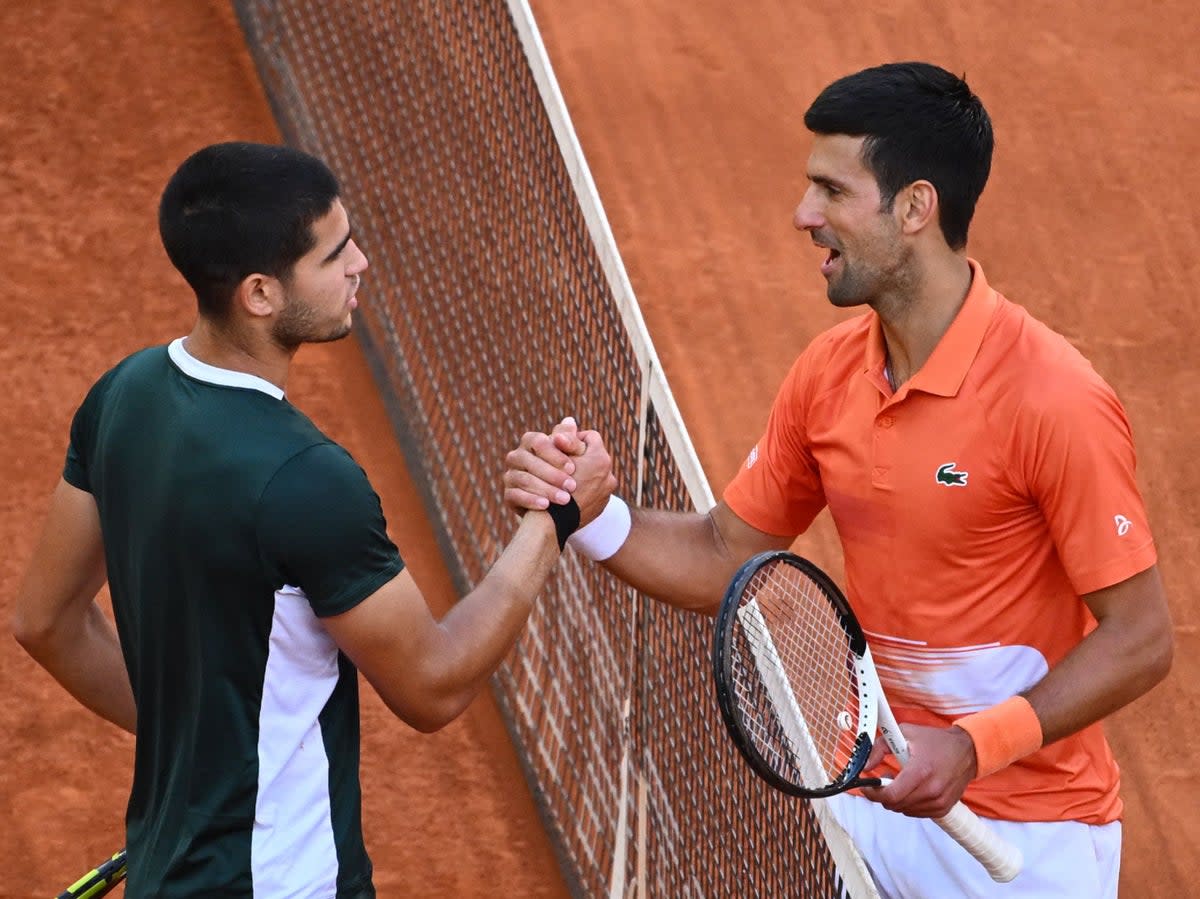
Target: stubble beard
869,284
852,288
298,325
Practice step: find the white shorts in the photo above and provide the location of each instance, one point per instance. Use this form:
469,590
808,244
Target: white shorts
912,858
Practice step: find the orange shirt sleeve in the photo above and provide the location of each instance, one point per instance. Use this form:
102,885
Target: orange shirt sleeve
778,487
1079,463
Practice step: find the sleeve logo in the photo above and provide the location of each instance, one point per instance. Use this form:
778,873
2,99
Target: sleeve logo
1123,525
752,458
948,477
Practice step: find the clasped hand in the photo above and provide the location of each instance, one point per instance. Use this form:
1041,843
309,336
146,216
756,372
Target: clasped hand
551,468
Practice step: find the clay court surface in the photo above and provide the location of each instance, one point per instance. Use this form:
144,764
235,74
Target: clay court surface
690,116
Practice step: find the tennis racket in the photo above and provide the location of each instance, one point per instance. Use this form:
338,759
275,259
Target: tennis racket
98,881
801,698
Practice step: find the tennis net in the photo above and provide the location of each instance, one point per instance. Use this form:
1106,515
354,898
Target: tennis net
498,303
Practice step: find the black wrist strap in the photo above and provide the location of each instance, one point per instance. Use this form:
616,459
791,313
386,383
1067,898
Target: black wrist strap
566,520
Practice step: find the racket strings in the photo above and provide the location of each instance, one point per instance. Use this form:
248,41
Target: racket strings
795,677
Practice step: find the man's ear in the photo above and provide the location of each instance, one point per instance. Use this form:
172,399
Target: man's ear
259,295
918,207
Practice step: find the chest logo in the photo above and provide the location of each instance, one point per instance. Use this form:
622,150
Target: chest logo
948,477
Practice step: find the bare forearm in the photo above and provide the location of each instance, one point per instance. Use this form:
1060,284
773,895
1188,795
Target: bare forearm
84,656
683,559
481,628
1108,670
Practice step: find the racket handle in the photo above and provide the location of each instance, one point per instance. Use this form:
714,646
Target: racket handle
1001,859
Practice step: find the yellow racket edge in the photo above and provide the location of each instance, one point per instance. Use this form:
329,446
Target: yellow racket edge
98,881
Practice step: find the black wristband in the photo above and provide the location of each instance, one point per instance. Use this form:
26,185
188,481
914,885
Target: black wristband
566,520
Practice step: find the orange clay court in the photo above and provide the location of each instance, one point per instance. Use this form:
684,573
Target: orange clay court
689,114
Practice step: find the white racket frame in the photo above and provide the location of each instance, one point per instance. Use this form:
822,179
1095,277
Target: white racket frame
1002,860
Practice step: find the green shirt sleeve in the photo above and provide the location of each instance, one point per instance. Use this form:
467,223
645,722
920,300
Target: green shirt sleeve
321,528
84,427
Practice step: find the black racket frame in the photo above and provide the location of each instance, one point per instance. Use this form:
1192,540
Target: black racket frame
722,663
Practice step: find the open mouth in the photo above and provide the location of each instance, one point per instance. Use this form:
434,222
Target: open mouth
830,261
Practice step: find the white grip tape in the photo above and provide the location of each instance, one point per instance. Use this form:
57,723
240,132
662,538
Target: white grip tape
601,537
1001,859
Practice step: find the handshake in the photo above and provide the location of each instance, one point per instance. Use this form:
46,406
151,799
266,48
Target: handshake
547,472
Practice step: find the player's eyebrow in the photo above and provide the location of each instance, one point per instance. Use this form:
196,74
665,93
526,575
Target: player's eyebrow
826,181
338,249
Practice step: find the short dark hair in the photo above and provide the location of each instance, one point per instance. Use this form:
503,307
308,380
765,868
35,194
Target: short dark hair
920,123
234,209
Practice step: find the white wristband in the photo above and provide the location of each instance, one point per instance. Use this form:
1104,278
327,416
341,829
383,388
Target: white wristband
606,533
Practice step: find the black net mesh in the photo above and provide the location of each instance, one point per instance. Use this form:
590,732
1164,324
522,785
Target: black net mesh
487,311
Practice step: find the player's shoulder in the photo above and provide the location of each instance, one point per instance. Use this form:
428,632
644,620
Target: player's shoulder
321,454
1025,357
151,358
842,345
316,475
147,356
285,442
147,363
1029,341
849,335
828,361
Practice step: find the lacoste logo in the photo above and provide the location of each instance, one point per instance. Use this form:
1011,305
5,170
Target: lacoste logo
752,458
948,477
1123,525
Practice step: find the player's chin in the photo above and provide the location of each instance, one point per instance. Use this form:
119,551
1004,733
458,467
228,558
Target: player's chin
843,297
337,333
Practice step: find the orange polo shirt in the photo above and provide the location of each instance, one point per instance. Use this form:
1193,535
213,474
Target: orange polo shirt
975,505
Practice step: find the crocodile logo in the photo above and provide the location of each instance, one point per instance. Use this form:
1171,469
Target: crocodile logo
948,477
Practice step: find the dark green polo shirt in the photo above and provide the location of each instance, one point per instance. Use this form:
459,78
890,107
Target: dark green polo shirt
231,526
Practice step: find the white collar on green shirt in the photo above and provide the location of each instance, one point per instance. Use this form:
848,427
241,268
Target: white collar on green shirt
202,371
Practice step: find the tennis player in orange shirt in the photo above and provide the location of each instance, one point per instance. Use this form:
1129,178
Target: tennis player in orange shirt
981,476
